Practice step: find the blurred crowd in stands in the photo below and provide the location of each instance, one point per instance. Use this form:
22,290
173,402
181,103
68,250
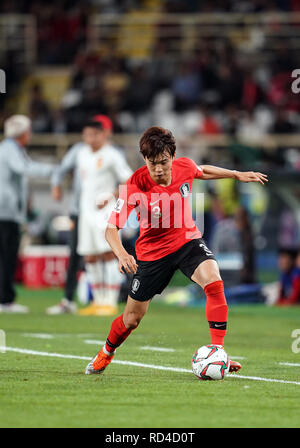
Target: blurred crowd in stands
215,90
289,266
170,6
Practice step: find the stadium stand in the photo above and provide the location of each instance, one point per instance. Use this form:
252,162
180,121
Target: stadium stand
219,76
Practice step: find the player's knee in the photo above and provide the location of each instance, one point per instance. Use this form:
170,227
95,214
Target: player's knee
214,277
132,320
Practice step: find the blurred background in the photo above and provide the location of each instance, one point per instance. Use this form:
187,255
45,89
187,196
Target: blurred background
217,74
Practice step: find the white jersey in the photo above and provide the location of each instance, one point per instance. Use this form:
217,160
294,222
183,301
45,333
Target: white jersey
100,173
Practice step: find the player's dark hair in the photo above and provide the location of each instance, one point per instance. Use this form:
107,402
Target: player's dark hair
155,141
290,251
93,124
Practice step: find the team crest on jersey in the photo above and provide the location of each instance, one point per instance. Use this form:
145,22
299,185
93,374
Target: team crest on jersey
99,163
185,190
135,285
119,205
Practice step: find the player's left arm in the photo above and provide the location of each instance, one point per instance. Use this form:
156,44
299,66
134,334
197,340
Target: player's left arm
214,172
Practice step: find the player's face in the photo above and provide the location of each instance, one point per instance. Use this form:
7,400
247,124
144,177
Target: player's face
25,138
285,262
160,169
95,138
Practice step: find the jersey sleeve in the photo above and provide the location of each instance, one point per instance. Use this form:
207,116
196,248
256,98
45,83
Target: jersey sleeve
121,167
127,201
189,166
198,171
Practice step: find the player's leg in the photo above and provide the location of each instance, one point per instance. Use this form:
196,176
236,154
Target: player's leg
111,283
197,262
74,262
87,247
102,270
207,275
4,266
95,277
9,245
123,325
151,278
120,329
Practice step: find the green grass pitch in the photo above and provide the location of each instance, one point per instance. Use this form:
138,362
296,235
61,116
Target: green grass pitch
47,391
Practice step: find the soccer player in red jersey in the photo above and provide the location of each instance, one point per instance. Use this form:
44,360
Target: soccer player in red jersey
169,239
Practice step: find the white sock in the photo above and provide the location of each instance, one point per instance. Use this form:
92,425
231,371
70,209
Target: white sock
112,282
107,352
95,276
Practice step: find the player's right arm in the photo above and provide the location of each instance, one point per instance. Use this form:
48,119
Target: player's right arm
21,164
126,261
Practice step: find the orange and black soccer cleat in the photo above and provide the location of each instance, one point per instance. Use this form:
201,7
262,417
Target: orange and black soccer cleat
99,363
234,366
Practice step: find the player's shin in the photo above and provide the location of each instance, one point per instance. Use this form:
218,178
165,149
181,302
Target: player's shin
216,311
117,335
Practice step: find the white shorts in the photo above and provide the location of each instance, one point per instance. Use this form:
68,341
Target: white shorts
91,232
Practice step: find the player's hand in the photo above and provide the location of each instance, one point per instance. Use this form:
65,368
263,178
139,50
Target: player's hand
128,264
251,176
56,193
102,204
103,199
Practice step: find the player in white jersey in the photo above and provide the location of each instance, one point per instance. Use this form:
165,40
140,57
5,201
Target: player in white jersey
102,168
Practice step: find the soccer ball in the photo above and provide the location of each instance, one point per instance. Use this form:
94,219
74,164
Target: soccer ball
210,362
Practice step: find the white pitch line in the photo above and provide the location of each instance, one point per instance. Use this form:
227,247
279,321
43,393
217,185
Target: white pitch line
38,335
157,349
292,364
26,351
146,347
138,364
267,380
98,342
93,342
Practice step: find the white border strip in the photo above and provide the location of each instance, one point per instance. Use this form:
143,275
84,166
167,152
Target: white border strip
138,364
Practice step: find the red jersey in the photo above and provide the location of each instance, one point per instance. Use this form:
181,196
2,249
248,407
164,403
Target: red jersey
164,213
